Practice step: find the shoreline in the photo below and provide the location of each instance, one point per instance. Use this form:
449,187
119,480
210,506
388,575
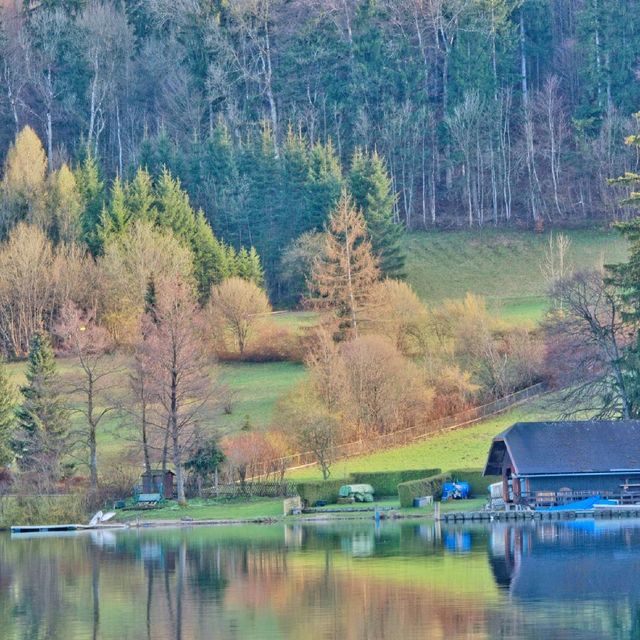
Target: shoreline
264,520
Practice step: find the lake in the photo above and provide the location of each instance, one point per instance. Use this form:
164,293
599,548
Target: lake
552,580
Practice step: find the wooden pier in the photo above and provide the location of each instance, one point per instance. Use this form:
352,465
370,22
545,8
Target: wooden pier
57,528
630,511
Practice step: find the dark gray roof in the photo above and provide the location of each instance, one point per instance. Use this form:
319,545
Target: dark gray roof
571,447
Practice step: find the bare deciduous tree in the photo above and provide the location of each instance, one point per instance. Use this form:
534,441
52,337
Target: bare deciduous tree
585,347
90,345
178,370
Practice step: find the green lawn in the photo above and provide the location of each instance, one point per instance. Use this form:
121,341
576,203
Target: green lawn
503,266
245,508
460,449
295,320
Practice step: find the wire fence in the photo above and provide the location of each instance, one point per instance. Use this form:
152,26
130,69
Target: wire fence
404,436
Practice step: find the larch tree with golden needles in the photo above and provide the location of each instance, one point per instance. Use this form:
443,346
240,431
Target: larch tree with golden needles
342,277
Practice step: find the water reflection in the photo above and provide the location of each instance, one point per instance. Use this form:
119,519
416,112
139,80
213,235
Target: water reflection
552,580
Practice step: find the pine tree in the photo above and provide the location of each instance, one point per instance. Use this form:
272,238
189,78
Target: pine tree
7,416
626,276
91,189
42,417
371,188
343,277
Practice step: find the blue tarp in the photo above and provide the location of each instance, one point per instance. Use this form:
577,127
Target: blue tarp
580,505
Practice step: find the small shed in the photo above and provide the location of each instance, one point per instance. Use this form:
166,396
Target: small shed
548,463
158,481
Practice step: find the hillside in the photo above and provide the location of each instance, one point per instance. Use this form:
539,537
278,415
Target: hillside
502,266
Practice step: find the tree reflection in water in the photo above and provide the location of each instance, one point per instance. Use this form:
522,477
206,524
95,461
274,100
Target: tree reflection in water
557,580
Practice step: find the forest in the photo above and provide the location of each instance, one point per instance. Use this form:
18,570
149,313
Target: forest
501,112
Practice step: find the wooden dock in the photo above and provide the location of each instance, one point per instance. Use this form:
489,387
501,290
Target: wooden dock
630,511
58,528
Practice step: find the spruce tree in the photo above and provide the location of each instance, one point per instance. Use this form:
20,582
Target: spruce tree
91,189
140,197
42,416
325,184
211,260
115,217
626,275
7,416
371,188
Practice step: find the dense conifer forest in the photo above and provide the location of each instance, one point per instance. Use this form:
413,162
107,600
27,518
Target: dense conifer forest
506,112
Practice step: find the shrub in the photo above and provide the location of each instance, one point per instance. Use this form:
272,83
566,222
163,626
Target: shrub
385,483
236,306
327,490
273,343
15,510
431,486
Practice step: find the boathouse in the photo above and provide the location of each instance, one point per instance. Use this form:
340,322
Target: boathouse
550,463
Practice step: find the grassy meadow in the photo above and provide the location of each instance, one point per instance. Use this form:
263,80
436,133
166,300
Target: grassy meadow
503,266
254,387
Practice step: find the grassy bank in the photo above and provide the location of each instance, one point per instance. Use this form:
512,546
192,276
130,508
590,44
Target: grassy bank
503,266
464,448
241,509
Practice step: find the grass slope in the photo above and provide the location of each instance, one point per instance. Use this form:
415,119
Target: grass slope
463,448
503,266
255,388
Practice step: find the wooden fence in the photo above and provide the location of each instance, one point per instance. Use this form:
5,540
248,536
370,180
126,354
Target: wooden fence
404,436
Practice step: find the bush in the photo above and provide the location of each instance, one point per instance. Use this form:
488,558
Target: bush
431,486
326,490
63,509
478,483
385,483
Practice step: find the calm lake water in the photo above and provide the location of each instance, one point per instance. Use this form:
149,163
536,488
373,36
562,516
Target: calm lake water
399,581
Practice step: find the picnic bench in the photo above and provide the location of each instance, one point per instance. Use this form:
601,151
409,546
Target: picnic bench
146,501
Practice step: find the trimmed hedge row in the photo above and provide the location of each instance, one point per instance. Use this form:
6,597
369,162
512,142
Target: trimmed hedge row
415,483
326,490
385,483
431,486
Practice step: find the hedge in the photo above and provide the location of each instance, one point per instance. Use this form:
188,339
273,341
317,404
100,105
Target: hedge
431,486
478,483
326,490
385,483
